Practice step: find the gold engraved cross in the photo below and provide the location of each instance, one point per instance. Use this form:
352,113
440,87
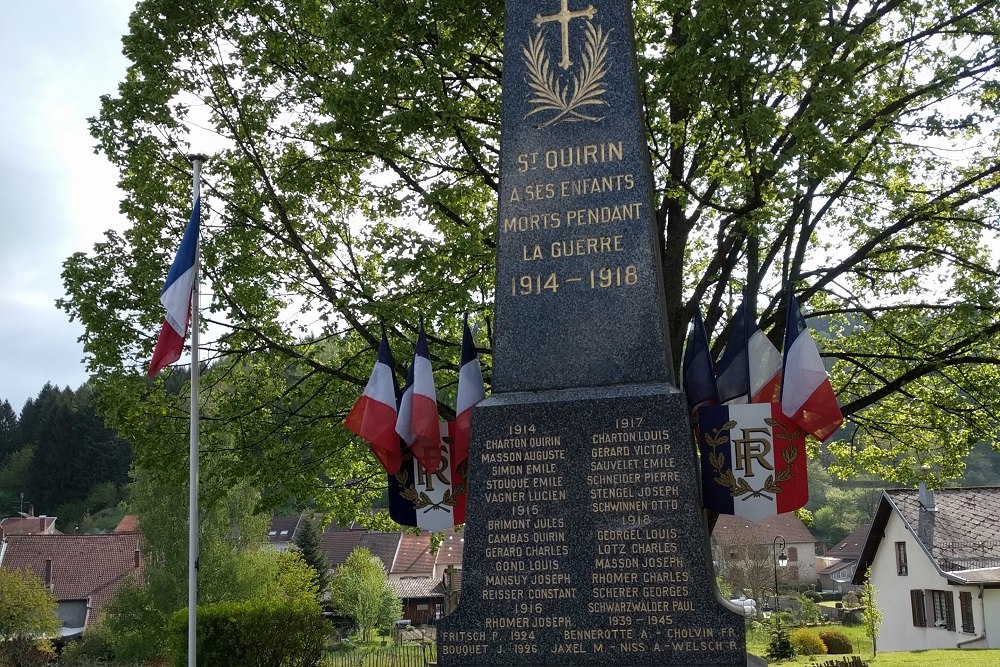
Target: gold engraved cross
564,17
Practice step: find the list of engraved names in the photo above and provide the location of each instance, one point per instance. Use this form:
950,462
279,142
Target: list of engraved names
632,577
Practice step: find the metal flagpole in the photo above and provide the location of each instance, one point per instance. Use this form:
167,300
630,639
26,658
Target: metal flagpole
196,161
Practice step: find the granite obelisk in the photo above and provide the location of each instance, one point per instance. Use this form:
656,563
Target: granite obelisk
585,538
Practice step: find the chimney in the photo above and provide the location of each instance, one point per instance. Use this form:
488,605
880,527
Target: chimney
41,524
926,498
48,574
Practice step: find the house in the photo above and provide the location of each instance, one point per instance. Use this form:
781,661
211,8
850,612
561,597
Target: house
934,560
82,572
841,561
282,531
427,580
749,551
29,525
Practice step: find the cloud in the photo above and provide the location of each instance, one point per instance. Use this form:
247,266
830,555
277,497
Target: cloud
57,196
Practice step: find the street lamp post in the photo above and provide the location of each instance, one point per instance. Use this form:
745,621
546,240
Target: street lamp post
779,559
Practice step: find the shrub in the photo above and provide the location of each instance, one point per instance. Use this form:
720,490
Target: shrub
852,618
851,599
813,595
836,642
258,633
780,647
807,642
94,646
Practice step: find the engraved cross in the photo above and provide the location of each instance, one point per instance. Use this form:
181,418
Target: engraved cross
564,17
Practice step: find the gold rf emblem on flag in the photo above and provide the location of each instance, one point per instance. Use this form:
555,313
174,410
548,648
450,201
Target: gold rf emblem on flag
747,450
586,87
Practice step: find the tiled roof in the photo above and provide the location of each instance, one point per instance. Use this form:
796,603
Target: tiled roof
338,542
963,532
418,587
404,554
414,556
128,524
82,566
383,545
30,525
451,549
283,528
730,529
850,547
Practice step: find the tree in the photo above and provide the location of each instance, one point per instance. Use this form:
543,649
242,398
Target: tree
232,564
28,612
360,590
308,542
871,615
8,432
777,131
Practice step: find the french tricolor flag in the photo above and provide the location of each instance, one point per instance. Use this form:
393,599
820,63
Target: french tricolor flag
807,397
471,391
699,374
373,417
176,297
733,379
764,361
753,460
417,423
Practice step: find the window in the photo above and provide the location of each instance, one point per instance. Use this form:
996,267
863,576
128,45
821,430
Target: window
917,608
793,554
944,609
901,559
965,602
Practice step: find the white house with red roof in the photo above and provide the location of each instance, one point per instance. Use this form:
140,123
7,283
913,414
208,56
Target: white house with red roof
82,572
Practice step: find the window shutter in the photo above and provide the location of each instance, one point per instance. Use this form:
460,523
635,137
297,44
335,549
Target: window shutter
949,610
917,608
965,602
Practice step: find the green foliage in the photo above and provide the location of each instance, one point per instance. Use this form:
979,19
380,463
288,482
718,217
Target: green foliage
94,647
360,590
780,645
850,600
233,565
836,642
27,612
809,611
308,542
807,642
27,608
254,633
797,125
871,615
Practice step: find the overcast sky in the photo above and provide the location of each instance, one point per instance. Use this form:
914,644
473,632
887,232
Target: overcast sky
56,196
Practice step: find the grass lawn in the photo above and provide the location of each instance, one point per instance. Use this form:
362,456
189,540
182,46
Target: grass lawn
757,644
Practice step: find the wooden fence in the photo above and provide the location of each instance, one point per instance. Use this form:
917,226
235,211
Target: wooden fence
850,661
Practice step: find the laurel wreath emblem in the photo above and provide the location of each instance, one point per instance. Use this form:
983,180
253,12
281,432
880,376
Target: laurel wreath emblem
738,486
586,89
420,500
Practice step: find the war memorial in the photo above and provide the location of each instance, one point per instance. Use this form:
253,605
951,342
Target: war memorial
586,542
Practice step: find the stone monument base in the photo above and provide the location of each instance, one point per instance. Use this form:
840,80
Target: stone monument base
586,543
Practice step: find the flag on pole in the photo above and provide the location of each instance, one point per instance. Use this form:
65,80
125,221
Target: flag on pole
733,379
764,362
807,397
471,390
753,460
417,423
373,417
699,374
176,297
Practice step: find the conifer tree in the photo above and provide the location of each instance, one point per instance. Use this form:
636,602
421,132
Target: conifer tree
308,541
